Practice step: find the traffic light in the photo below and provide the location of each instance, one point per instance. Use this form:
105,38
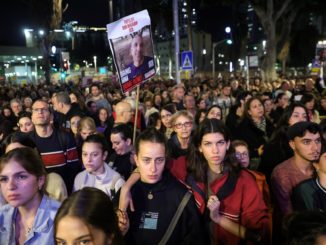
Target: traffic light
65,65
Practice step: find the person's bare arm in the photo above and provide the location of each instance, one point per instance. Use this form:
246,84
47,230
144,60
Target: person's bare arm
125,199
213,204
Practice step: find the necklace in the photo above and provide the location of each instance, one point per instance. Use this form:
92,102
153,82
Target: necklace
24,226
28,231
150,195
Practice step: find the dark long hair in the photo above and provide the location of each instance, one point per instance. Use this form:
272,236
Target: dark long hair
94,208
197,164
247,107
283,123
170,108
97,120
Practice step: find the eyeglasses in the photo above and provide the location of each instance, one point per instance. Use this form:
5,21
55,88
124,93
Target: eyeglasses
241,155
181,125
40,110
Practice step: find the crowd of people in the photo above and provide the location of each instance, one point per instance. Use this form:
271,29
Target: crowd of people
214,162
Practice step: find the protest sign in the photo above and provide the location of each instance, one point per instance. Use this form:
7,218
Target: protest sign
131,44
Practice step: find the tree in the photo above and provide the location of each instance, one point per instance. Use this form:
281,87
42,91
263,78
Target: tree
48,15
276,18
279,19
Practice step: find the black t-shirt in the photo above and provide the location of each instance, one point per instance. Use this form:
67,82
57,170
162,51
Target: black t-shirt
121,164
309,195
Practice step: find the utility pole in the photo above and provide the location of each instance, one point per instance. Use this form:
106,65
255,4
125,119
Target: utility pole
176,39
189,31
213,60
111,10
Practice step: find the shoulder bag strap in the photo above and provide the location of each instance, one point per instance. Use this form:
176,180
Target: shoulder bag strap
175,218
228,187
193,185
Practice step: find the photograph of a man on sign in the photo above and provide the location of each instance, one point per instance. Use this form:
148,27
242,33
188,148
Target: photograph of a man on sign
133,52
141,64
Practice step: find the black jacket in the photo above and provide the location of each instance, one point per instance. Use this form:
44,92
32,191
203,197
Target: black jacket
121,164
62,121
152,216
232,120
275,152
253,136
175,149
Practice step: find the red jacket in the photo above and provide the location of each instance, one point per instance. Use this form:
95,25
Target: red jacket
245,205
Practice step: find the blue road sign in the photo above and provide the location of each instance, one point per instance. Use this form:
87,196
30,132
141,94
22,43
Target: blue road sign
186,60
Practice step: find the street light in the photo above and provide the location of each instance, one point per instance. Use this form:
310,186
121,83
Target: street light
86,63
228,31
95,63
29,37
54,49
227,40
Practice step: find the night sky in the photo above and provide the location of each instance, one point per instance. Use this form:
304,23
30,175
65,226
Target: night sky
16,16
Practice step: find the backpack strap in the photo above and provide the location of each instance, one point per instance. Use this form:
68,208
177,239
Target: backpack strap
175,218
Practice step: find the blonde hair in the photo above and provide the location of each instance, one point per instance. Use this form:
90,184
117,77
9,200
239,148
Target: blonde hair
183,113
87,122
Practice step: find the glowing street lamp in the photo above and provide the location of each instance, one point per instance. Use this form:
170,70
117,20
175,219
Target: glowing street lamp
29,37
228,31
95,63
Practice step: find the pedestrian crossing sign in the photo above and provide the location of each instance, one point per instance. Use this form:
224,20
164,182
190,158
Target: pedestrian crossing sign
186,60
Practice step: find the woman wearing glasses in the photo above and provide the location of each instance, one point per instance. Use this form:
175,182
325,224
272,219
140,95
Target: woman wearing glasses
182,124
242,154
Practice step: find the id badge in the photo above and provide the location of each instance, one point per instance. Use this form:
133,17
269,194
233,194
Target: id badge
148,221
